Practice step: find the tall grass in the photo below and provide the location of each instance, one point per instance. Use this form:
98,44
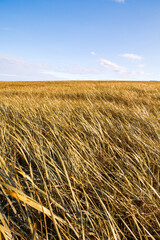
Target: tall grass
80,160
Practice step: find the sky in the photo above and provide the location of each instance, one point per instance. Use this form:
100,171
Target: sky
79,40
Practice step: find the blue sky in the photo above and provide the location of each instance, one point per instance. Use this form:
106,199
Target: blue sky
79,39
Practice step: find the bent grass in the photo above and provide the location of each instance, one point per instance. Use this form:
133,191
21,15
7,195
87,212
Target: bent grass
79,160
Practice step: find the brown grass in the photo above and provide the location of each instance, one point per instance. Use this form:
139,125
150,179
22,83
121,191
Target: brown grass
80,160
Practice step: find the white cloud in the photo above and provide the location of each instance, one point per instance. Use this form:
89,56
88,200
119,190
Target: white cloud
7,75
141,65
17,65
71,76
121,70
18,69
139,73
111,66
93,53
132,56
119,1
78,69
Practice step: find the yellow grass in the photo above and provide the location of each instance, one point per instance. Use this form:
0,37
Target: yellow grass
80,160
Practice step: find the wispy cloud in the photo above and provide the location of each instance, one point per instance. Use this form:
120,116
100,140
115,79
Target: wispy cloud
78,69
139,73
119,1
18,69
93,53
132,56
7,75
73,73
140,66
121,70
111,66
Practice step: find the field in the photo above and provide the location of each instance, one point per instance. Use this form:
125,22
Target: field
80,160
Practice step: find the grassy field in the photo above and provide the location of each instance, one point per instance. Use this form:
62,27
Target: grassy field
80,160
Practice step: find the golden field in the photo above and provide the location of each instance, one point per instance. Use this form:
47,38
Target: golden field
80,160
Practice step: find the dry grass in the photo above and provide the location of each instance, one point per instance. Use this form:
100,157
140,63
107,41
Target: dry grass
80,160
